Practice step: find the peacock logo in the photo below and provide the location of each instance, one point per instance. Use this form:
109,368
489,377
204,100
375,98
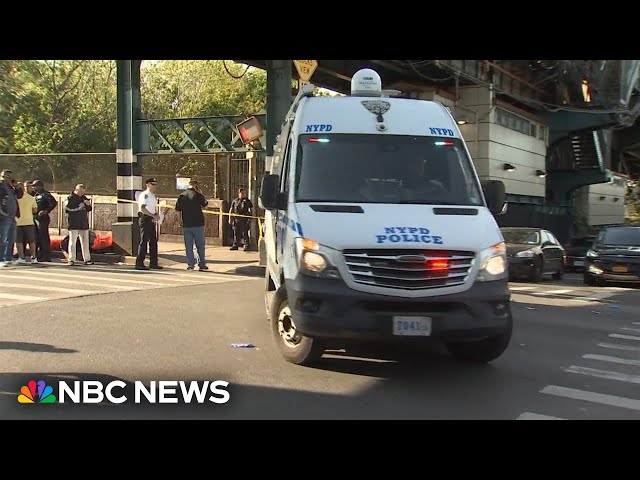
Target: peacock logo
44,393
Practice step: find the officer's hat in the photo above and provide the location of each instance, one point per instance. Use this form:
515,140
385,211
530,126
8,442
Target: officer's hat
152,181
37,183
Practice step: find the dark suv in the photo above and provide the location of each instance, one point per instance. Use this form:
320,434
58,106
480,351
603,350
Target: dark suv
576,250
614,257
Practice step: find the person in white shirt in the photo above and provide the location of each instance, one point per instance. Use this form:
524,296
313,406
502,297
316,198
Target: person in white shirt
26,230
147,218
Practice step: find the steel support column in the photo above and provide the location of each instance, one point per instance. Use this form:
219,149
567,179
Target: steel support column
128,112
279,78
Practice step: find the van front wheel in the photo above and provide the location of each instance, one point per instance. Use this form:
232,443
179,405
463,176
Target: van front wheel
482,351
294,347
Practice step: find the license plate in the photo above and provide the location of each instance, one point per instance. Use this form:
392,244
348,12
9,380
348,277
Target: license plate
578,263
620,269
412,326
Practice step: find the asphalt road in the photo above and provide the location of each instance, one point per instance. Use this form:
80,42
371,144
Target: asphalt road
575,354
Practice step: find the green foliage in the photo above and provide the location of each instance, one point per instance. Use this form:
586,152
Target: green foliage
200,88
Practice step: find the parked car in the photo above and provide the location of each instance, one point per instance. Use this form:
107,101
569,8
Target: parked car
576,250
614,257
532,253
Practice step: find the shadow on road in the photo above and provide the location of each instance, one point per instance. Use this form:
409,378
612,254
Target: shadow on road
34,347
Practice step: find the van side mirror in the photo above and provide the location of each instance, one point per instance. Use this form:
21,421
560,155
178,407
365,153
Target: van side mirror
494,193
269,190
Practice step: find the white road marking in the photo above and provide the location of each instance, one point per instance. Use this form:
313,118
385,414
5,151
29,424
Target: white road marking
624,337
16,296
637,330
593,397
537,416
594,372
30,286
607,358
619,347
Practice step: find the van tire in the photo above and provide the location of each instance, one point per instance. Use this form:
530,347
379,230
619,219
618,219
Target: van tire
293,346
482,351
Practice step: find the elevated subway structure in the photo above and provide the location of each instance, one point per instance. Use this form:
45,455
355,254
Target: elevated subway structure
561,124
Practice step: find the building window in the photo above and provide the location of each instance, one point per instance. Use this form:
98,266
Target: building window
518,123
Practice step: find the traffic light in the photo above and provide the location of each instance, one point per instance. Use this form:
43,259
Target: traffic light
250,130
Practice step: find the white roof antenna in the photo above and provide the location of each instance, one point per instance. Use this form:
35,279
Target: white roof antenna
366,83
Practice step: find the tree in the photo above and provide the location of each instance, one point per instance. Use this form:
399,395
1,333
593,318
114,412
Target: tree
200,88
66,106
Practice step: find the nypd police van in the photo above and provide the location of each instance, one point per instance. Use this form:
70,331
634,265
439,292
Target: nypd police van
378,228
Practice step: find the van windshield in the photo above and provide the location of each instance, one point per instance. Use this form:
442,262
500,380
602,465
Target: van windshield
361,168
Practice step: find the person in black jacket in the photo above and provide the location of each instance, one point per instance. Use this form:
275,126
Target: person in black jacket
46,203
190,203
240,209
77,208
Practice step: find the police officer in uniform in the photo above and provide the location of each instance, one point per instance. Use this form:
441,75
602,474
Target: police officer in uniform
147,218
241,205
46,203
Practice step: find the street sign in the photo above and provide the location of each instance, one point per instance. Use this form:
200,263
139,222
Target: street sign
305,68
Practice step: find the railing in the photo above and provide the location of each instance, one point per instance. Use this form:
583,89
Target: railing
196,135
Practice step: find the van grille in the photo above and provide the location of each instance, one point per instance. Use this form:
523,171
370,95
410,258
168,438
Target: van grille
407,269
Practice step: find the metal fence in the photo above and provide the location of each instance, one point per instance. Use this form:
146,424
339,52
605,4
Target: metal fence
62,172
220,175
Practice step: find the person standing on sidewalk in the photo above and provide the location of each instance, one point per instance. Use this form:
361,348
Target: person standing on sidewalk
9,212
25,225
46,203
147,218
190,204
241,205
78,208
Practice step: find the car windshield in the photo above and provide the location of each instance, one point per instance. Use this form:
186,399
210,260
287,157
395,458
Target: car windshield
360,168
522,237
628,236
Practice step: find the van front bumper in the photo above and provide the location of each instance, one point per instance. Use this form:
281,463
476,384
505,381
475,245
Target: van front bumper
326,308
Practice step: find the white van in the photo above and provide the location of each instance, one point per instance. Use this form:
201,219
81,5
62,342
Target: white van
377,228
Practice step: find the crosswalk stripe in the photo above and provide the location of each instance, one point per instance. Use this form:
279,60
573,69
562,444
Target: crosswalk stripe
537,416
607,358
611,400
594,372
84,282
636,323
552,292
624,337
31,286
617,346
637,330
17,296
99,275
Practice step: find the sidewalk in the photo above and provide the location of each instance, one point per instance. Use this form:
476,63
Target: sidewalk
172,255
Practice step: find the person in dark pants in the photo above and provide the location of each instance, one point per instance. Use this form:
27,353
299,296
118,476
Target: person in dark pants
46,203
241,205
190,204
9,212
147,218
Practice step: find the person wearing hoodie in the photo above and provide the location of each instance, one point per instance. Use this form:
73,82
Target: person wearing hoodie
77,208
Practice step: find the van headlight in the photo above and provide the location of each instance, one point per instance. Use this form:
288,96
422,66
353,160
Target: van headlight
525,254
493,263
314,259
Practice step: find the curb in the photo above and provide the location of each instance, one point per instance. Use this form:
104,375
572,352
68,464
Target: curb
96,257
251,270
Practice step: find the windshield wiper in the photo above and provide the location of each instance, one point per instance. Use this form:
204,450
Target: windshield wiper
435,202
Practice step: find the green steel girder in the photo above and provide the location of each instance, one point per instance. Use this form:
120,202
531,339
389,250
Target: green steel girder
196,135
562,184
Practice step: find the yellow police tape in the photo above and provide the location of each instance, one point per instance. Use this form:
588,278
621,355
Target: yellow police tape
204,210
